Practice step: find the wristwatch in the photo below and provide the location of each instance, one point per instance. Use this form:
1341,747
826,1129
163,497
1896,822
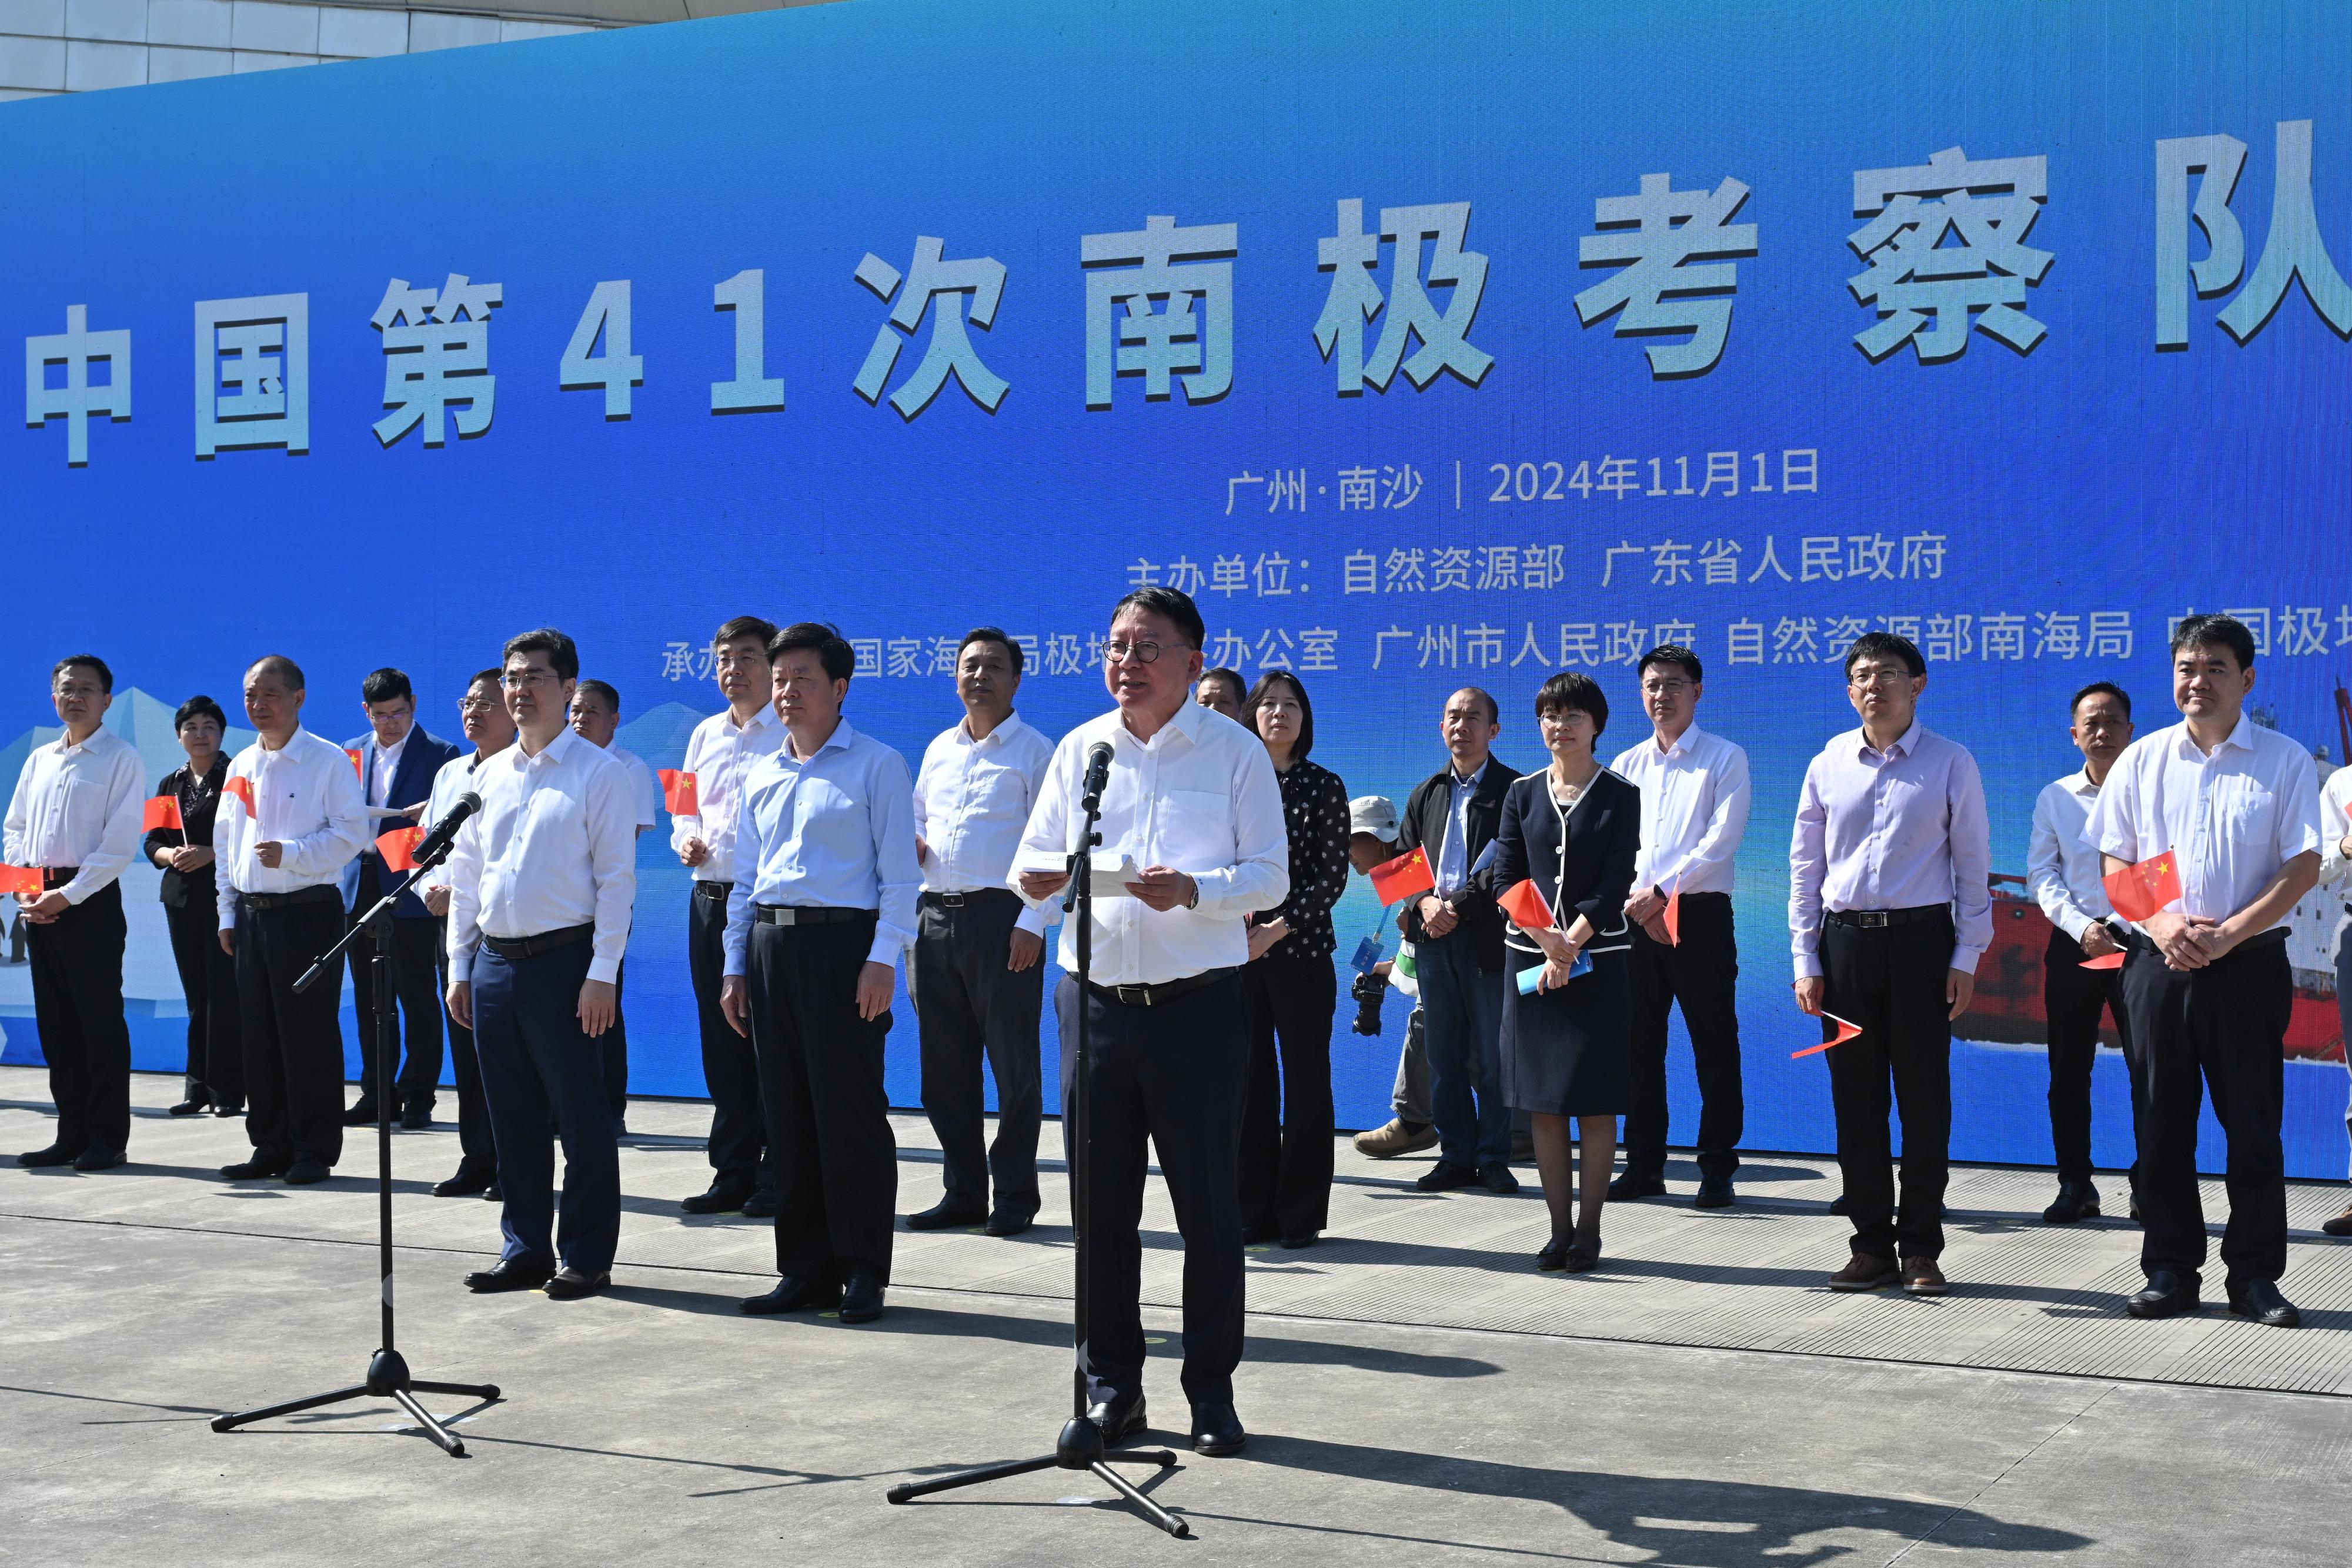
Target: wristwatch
1194,902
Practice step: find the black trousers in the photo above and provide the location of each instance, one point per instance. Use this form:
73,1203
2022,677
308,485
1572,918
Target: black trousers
2221,1031
2072,1000
616,1051
76,962
969,1005
1702,973
1167,1078
1890,981
478,1152
416,998
293,1042
1286,1119
821,1071
739,1150
539,1071
208,981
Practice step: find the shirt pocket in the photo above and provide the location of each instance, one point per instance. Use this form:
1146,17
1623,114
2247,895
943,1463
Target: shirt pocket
2248,818
1195,830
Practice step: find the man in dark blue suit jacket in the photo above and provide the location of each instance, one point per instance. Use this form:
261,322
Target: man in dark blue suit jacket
397,760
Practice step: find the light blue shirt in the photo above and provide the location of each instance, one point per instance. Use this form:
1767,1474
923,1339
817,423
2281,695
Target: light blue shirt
835,832
1453,855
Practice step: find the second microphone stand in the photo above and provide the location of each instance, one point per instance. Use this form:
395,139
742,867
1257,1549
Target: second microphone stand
1080,1445
387,1373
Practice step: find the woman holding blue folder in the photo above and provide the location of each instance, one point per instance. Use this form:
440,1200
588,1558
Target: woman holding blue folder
1565,855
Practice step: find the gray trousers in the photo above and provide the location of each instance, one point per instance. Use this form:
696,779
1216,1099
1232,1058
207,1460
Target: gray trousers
1410,1099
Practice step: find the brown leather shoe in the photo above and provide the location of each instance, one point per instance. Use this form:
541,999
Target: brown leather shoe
1921,1277
1396,1138
1865,1272
2339,1225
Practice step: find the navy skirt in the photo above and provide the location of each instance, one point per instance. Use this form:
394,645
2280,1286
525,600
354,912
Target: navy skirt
1569,1052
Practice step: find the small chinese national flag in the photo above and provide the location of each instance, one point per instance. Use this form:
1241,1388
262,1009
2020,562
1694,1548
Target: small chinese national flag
398,848
243,790
162,811
1402,877
1675,916
1525,906
2105,961
359,769
24,879
2139,891
1845,1031
681,797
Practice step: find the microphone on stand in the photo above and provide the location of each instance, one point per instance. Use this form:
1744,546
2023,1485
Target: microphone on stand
445,833
1098,774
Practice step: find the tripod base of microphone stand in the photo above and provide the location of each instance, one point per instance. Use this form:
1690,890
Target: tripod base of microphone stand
1080,1448
387,1378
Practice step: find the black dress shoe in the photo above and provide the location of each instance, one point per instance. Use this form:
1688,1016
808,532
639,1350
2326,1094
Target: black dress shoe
193,1104
2260,1300
1838,1205
55,1155
465,1184
1554,1256
1005,1222
307,1173
1714,1191
1583,1255
510,1274
718,1198
254,1169
759,1205
2168,1295
361,1114
229,1108
940,1216
1216,1430
571,1284
1259,1234
1445,1174
1497,1178
94,1158
861,1297
2077,1200
1118,1418
494,1193
1303,1238
417,1118
1630,1185
793,1295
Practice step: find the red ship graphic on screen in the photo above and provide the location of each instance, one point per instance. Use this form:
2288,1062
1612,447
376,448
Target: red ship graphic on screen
2008,1004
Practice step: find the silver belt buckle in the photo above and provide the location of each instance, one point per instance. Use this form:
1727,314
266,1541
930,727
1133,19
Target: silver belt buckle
1133,995
1870,919
950,900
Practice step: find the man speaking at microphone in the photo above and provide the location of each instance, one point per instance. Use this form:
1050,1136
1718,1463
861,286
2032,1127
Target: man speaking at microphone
540,881
1190,801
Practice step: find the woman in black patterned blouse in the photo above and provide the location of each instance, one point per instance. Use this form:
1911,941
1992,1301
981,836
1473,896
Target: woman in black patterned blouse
1286,1151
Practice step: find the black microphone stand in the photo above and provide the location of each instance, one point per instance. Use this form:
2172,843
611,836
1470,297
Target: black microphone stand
387,1373
1080,1445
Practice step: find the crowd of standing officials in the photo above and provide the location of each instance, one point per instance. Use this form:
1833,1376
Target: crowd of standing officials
1544,927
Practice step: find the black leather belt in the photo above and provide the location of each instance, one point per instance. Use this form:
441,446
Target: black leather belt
794,914
1164,992
56,876
979,896
262,902
717,890
2141,942
545,942
1879,919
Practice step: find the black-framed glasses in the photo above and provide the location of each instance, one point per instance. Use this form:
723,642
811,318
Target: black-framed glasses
1142,653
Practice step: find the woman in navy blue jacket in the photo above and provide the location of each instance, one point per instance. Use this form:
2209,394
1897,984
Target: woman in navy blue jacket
1571,829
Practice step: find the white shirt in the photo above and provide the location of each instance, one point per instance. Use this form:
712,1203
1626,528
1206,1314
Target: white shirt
1694,797
307,797
835,832
1200,796
2230,820
554,845
2062,866
387,765
973,800
454,779
79,806
2335,822
719,754
642,794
